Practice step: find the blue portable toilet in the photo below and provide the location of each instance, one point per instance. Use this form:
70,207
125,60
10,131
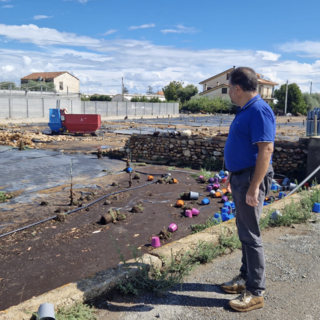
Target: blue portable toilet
55,120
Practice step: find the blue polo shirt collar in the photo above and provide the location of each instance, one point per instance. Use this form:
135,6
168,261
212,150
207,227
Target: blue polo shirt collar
250,102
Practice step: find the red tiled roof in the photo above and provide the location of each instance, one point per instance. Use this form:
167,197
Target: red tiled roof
160,92
45,75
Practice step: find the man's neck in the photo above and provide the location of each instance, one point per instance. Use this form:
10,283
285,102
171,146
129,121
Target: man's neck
246,98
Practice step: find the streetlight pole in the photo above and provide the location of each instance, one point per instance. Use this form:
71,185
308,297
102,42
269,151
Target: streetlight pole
285,104
122,90
311,87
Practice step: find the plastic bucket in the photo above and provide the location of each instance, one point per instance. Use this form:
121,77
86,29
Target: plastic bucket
224,210
275,215
216,186
200,177
205,201
155,242
193,195
172,227
224,216
281,195
316,207
195,212
224,180
224,199
221,173
188,213
212,193
211,180
46,312
209,188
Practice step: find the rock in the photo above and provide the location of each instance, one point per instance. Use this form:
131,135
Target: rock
283,155
187,153
204,151
278,149
297,150
217,153
61,217
44,203
288,150
305,151
186,133
107,202
191,142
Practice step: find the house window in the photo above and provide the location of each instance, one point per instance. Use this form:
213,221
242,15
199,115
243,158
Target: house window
224,90
228,76
61,85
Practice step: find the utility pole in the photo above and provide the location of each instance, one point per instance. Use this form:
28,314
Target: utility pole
285,104
311,87
122,90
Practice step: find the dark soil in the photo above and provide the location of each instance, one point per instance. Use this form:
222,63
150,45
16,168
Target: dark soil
55,253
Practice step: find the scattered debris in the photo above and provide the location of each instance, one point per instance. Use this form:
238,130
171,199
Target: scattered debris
107,202
137,209
61,217
44,203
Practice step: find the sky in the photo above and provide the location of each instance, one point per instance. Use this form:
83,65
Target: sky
150,43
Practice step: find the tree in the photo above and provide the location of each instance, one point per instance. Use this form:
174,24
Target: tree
170,91
295,103
7,85
311,101
187,92
150,90
36,86
125,90
102,97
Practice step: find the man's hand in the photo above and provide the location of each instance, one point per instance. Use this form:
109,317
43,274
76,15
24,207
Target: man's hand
252,196
228,184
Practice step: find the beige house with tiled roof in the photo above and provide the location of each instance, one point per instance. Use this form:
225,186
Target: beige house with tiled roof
63,80
217,86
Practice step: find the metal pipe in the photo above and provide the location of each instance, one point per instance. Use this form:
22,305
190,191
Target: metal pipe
304,181
315,125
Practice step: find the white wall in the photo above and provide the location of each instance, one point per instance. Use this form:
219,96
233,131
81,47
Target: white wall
70,83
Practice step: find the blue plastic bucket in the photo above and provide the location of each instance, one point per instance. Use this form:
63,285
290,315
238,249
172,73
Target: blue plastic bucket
316,207
205,201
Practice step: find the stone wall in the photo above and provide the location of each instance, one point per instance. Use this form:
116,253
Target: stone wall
288,156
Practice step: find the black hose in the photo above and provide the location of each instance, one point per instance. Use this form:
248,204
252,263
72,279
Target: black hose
75,210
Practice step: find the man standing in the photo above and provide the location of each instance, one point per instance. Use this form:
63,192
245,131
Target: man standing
248,156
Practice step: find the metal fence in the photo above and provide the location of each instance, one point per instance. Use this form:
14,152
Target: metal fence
27,107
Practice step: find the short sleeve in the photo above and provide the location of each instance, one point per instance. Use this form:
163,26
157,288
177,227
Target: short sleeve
262,125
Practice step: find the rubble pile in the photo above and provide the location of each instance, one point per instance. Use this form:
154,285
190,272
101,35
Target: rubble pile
29,139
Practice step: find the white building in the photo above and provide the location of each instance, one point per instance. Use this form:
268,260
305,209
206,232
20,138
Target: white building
64,81
217,86
128,97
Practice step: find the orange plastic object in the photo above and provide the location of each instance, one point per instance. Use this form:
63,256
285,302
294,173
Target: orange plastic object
175,181
150,178
217,194
180,203
224,191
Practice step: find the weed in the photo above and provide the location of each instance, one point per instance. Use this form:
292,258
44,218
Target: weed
4,196
78,311
204,173
195,228
211,164
139,164
171,168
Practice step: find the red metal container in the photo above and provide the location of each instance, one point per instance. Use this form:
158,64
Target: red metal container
81,123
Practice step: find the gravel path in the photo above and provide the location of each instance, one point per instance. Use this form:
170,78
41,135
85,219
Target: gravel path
293,291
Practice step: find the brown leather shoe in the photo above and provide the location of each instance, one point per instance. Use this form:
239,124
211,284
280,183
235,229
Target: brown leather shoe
246,302
236,285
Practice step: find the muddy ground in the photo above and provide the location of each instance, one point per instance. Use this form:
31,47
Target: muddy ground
54,253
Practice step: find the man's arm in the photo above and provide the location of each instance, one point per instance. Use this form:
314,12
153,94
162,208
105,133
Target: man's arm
263,160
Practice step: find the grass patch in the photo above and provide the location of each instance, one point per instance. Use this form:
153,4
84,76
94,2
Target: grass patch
175,269
203,172
78,311
4,196
195,228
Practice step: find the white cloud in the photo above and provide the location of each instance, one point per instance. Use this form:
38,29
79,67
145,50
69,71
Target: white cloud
8,6
310,48
144,26
81,1
40,17
269,55
141,62
110,32
181,29
44,36
7,68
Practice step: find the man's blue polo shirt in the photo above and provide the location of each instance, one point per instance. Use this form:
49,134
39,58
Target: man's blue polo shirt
254,123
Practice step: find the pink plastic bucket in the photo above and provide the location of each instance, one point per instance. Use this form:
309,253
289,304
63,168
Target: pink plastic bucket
188,213
195,212
172,227
155,242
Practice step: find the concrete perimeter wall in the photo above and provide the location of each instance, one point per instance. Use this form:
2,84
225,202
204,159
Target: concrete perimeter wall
288,156
37,107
